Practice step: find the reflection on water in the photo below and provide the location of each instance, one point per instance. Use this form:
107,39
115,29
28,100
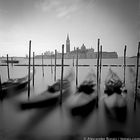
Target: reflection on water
56,122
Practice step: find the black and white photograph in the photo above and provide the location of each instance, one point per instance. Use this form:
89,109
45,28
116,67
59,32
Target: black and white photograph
69,69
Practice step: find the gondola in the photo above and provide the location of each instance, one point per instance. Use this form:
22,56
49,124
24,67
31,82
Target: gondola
51,95
84,99
115,98
133,81
10,87
10,61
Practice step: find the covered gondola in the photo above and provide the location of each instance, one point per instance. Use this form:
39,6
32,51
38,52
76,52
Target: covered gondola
12,85
115,97
51,95
84,99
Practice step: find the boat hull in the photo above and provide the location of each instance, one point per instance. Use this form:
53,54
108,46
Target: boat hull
10,61
83,109
84,99
116,107
12,86
45,99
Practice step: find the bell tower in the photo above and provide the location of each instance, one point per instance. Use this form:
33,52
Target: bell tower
67,44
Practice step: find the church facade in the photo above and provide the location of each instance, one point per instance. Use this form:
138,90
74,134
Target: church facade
84,53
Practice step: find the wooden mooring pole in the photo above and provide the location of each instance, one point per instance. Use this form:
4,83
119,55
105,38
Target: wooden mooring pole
77,68
62,70
42,65
0,89
51,65
100,62
33,68
73,61
8,67
12,61
124,63
98,71
55,65
137,73
29,69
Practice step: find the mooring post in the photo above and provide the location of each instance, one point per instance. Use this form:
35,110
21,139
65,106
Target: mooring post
73,60
12,61
0,89
33,68
8,67
29,69
55,65
42,65
77,69
124,62
62,69
100,62
98,71
137,73
51,65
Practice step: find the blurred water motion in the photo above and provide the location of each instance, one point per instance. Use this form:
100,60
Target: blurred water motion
56,122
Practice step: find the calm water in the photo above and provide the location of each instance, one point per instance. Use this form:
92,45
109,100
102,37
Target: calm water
56,122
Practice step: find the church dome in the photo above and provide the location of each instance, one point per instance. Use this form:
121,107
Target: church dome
83,47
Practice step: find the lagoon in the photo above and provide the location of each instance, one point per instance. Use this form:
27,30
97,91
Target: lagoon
56,122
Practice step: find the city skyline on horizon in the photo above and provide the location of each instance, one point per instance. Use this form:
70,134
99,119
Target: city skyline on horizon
47,22
60,51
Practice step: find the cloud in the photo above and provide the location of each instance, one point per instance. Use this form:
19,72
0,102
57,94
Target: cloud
47,5
61,8
66,11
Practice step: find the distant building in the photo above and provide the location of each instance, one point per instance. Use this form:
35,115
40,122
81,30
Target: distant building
83,53
68,44
26,56
48,53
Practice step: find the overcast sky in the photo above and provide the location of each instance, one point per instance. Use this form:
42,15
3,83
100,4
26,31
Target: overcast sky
47,22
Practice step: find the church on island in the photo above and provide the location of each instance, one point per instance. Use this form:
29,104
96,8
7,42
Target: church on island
83,53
